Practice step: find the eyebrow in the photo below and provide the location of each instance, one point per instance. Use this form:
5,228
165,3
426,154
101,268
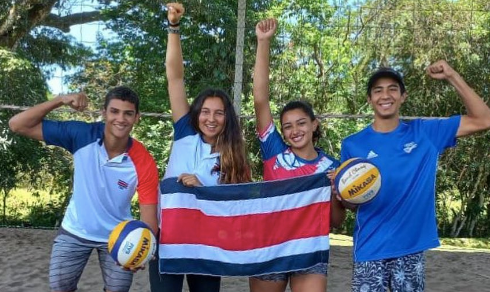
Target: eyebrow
126,111
298,120
389,86
216,110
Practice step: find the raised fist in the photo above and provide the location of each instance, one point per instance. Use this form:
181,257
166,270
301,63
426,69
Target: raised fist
266,28
77,101
175,12
440,70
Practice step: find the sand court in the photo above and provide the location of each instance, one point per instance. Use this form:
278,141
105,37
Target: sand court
26,252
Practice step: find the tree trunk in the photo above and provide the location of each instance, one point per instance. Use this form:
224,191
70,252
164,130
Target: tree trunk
24,15
22,18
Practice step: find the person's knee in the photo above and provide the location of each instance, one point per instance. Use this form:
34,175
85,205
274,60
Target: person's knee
268,283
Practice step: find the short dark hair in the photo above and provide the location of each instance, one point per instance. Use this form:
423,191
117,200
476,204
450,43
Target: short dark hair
384,72
123,93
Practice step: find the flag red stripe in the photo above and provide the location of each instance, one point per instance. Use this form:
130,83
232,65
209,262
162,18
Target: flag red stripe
190,226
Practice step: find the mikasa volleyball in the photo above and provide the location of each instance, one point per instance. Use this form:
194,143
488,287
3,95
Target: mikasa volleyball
357,180
132,244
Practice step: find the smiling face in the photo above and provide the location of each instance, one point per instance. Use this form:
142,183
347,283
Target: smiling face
297,129
212,119
386,98
120,117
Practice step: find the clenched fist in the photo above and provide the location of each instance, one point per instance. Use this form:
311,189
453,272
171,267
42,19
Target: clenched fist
175,12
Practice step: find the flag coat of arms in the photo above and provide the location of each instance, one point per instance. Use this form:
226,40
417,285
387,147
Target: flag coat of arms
244,229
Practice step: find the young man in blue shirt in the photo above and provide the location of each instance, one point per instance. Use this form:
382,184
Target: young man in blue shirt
393,231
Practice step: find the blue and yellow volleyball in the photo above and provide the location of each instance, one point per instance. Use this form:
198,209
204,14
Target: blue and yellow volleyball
132,244
357,180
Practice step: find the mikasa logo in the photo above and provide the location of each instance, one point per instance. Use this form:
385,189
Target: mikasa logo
409,147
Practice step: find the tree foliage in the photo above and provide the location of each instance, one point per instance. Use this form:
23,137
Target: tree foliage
323,53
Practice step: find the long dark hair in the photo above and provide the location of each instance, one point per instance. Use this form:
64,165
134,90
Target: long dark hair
307,109
234,167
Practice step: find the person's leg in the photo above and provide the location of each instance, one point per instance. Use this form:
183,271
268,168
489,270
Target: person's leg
269,283
313,279
408,273
165,282
370,276
115,278
68,259
200,283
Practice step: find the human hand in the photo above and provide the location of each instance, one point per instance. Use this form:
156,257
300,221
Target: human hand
336,194
77,101
134,269
331,176
189,180
440,70
266,28
175,12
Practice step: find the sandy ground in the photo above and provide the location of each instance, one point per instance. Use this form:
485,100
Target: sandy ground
25,259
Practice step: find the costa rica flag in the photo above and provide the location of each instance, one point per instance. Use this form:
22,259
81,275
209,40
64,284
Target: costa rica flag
244,229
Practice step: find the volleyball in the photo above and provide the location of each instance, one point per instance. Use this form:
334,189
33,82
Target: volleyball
132,244
357,180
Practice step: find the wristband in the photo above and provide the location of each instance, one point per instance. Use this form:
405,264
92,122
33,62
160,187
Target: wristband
174,24
173,30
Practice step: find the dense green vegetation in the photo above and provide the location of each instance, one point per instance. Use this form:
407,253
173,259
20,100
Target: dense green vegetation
323,53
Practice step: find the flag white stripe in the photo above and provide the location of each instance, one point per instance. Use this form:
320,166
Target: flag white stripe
198,251
246,207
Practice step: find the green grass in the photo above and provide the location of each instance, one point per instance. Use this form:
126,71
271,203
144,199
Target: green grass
478,243
34,208
19,200
446,243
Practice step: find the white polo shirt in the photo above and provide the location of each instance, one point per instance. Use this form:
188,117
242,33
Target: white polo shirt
190,154
102,187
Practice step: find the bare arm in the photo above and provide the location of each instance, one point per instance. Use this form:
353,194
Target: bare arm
264,30
175,65
337,212
148,214
478,113
29,122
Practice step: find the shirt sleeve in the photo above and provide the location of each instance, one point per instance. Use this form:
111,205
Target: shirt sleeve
71,135
271,142
147,172
183,127
442,132
344,151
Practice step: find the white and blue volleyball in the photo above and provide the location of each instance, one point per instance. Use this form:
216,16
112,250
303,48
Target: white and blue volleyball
132,244
357,180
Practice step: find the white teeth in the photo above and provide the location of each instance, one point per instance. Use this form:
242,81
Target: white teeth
296,139
386,105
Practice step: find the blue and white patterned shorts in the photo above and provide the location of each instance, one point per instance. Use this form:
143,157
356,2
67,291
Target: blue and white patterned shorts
405,273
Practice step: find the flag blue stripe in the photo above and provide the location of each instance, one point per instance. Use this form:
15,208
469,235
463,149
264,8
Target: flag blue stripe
208,267
246,191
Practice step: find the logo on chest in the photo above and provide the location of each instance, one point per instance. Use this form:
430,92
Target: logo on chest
409,147
122,184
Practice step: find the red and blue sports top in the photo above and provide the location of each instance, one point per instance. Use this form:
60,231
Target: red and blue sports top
280,162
